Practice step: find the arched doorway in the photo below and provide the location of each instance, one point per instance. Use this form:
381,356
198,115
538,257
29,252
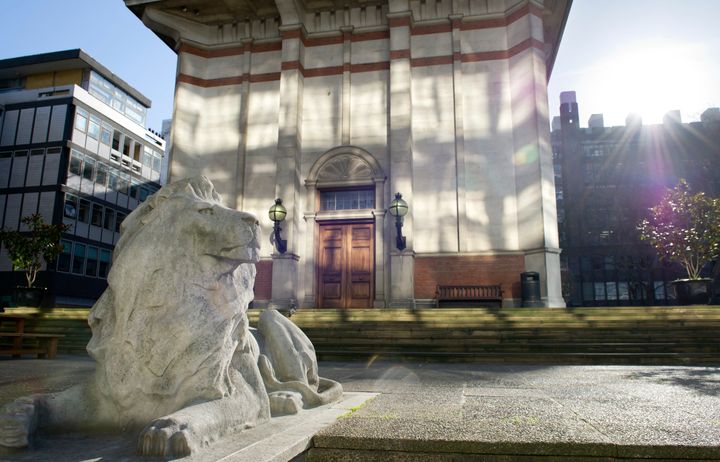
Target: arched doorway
346,188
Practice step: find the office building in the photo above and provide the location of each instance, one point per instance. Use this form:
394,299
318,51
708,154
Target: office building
74,148
606,179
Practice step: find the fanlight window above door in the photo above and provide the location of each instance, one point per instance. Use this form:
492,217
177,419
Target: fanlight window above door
353,199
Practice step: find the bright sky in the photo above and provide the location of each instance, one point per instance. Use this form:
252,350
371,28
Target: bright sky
107,31
643,56
620,56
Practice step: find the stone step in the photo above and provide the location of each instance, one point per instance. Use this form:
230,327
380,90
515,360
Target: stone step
698,359
626,335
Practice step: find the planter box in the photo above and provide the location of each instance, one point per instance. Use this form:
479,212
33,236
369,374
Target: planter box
693,291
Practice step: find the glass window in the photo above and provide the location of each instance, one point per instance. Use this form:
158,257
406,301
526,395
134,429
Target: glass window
109,222
20,153
147,157
609,263
144,193
108,93
611,290
94,127
623,291
89,169
81,119
75,163
157,161
70,206
116,140
63,262
347,200
599,291
5,154
91,264
100,88
37,152
135,190
113,179
659,287
97,214
104,266
101,174
126,146
123,184
105,135
137,150
51,151
118,221
588,291
78,261
586,264
84,211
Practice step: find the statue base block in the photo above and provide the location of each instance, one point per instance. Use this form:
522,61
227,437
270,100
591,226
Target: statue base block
279,439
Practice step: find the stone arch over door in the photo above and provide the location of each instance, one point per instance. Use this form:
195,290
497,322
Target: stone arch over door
344,167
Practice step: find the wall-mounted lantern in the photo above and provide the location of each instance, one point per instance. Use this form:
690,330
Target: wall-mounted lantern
277,214
399,208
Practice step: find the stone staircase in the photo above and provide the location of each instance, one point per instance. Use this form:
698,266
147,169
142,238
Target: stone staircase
633,335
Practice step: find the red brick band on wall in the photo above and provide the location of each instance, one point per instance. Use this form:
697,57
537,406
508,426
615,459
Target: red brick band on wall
366,67
237,80
527,44
468,270
263,280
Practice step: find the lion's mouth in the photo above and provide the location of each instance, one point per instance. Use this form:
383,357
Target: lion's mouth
242,253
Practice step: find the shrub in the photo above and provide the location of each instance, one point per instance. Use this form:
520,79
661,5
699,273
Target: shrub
684,228
26,249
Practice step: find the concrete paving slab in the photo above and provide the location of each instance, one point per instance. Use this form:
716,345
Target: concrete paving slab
282,439
528,411
458,412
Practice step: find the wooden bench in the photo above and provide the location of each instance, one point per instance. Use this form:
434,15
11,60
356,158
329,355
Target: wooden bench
46,348
46,343
469,294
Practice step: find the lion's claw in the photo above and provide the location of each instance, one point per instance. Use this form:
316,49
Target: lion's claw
165,438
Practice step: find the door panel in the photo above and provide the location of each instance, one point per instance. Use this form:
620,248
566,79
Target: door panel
332,260
347,265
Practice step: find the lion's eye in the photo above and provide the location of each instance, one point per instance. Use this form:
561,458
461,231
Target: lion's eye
207,211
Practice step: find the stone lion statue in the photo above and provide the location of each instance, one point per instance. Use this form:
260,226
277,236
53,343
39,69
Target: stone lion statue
176,358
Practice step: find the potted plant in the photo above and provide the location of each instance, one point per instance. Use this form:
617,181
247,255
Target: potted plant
685,228
27,249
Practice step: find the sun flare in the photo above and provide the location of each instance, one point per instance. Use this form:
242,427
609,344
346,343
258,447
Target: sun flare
651,78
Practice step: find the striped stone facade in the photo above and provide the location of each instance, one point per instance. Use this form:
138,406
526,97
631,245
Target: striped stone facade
443,101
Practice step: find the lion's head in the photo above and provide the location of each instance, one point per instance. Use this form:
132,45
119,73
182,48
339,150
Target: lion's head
174,310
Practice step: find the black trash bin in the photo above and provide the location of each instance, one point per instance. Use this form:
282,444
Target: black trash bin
530,285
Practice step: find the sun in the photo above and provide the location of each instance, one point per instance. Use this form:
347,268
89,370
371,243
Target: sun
651,78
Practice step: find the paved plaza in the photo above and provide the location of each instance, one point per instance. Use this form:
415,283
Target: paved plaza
444,412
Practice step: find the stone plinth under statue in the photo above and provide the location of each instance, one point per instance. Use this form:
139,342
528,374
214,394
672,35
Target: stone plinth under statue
176,358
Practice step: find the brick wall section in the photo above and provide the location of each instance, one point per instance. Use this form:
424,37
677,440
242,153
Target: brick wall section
263,280
468,270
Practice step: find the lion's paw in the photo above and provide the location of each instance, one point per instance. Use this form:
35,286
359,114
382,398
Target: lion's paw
165,438
18,421
285,403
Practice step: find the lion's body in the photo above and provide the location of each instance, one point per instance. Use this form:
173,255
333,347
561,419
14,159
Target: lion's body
171,338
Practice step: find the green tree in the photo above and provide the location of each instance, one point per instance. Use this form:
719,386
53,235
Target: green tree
27,249
684,228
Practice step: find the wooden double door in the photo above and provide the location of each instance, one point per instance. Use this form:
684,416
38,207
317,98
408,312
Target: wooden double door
346,265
